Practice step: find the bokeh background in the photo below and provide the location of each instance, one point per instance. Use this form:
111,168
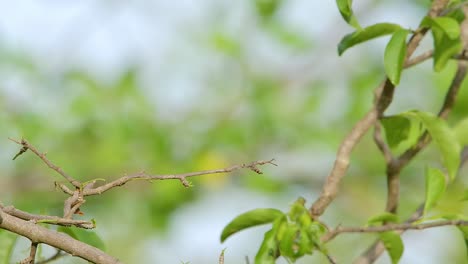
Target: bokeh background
114,87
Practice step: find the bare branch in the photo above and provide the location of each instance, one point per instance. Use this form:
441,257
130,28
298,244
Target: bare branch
64,188
32,255
391,227
39,234
43,157
383,98
380,142
376,249
55,220
182,177
418,59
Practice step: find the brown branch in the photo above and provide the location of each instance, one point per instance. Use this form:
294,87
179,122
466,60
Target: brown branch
32,255
39,234
72,204
380,142
427,55
64,188
47,219
376,249
182,177
391,227
418,59
394,168
383,98
43,157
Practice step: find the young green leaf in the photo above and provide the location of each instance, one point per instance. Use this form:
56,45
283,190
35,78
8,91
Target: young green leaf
461,130
365,34
295,243
249,219
347,12
401,132
465,196
464,230
446,35
435,187
444,139
7,243
383,217
267,8
444,49
287,245
268,252
448,25
393,244
395,54
86,236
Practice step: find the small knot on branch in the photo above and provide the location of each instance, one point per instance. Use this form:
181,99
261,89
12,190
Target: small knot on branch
23,149
185,182
253,166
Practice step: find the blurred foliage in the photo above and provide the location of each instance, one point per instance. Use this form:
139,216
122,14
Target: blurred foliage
104,127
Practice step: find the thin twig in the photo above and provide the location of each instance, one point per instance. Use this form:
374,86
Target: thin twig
391,227
182,177
383,98
43,157
40,234
221,257
394,168
32,254
381,144
330,259
418,59
376,249
47,219
72,204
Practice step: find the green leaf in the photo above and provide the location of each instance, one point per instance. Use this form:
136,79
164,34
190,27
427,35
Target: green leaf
7,243
347,12
444,49
83,235
448,25
465,196
268,252
435,187
365,34
384,217
395,54
446,35
226,44
249,219
393,244
267,8
460,131
298,209
401,132
464,230
444,139
295,242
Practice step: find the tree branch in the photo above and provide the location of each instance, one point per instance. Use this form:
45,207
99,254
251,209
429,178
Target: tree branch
391,227
43,157
383,98
32,254
39,234
47,219
182,177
